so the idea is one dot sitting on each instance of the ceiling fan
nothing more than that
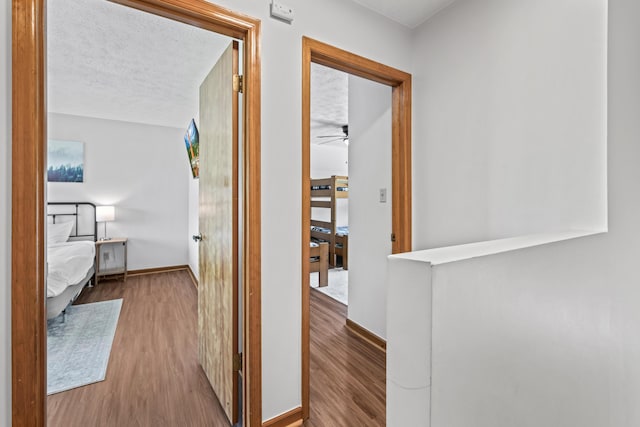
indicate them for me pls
(344, 138)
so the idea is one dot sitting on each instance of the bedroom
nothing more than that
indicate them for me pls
(329, 157)
(350, 213)
(350, 171)
(128, 111)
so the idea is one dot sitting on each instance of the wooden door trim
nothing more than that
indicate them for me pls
(28, 318)
(400, 82)
(288, 419)
(29, 115)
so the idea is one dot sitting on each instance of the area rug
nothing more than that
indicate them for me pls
(338, 288)
(78, 348)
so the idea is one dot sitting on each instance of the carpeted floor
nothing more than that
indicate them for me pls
(78, 348)
(338, 288)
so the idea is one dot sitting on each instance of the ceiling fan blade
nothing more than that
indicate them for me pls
(344, 137)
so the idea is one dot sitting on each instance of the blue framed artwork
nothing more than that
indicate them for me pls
(65, 161)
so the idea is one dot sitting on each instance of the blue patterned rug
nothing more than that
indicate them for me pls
(78, 349)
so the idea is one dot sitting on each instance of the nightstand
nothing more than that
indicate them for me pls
(117, 270)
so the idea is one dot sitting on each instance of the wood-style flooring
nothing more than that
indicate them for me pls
(153, 377)
(347, 381)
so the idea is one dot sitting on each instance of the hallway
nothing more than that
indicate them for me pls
(347, 386)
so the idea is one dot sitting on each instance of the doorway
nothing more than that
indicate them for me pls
(330, 182)
(317, 52)
(28, 197)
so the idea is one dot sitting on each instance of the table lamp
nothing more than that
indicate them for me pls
(105, 214)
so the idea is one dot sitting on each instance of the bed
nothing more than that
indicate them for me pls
(342, 246)
(71, 236)
(324, 194)
(319, 261)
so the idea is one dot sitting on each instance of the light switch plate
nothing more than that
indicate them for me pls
(383, 195)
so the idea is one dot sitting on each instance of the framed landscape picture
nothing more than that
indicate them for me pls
(65, 161)
(191, 140)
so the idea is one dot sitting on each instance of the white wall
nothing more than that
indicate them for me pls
(141, 169)
(326, 161)
(510, 120)
(5, 214)
(546, 335)
(194, 225)
(529, 338)
(370, 226)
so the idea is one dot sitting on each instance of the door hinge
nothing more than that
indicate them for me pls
(237, 362)
(393, 237)
(238, 83)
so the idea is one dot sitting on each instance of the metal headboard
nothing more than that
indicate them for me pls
(73, 209)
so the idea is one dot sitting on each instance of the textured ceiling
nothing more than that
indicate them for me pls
(109, 61)
(410, 13)
(114, 62)
(329, 103)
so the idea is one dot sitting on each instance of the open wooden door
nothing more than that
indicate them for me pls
(218, 287)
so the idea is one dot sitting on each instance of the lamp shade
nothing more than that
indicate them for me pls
(105, 213)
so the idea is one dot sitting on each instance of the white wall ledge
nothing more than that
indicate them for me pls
(448, 254)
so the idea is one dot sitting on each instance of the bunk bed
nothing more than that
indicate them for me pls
(319, 261)
(341, 246)
(324, 194)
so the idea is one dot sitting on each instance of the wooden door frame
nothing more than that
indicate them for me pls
(400, 82)
(29, 118)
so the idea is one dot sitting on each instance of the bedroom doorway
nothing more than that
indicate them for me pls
(317, 53)
(329, 173)
(97, 130)
(28, 200)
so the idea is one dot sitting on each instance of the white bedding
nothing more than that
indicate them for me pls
(68, 263)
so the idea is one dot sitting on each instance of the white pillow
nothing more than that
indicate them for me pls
(58, 233)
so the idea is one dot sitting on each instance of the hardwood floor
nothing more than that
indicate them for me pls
(153, 378)
(347, 387)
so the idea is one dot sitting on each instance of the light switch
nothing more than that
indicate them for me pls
(383, 195)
